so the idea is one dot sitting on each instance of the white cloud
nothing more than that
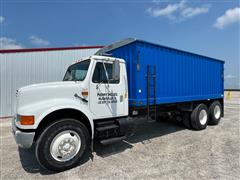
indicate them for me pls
(167, 11)
(1, 19)
(230, 76)
(190, 12)
(8, 43)
(38, 41)
(178, 11)
(231, 16)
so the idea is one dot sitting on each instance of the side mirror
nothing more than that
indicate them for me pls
(116, 70)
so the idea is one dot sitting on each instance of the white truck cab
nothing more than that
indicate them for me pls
(60, 116)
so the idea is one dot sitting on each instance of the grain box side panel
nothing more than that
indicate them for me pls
(180, 76)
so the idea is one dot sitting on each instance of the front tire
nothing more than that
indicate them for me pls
(62, 145)
(199, 117)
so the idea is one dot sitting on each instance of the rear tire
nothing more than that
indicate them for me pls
(62, 145)
(199, 117)
(215, 113)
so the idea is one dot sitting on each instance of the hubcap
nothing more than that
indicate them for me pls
(65, 145)
(203, 117)
(217, 112)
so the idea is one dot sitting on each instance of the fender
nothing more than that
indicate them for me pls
(41, 109)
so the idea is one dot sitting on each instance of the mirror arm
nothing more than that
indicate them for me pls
(99, 84)
(106, 72)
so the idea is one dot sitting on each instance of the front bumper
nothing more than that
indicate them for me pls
(23, 139)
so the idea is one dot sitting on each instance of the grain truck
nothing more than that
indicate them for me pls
(102, 96)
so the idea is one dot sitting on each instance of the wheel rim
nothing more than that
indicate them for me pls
(217, 112)
(65, 145)
(203, 117)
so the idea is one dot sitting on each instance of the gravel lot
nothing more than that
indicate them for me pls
(164, 150)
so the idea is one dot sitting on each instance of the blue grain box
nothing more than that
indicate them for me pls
(180, 76)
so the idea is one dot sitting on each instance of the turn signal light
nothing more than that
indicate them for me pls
(26, 120)
(84, 93)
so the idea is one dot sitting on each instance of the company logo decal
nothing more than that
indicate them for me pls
(106, 98)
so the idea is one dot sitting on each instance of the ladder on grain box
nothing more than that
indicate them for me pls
(151, 93)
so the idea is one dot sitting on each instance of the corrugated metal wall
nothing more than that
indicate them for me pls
(24, 68)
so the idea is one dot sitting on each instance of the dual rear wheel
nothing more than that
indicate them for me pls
(201, 116)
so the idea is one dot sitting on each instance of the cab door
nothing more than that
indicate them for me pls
(106, 95)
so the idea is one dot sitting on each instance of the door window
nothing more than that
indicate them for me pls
(99, 75)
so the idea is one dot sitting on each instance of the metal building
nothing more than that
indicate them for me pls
(29, 66)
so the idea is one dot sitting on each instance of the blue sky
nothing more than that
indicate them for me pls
(209, 28)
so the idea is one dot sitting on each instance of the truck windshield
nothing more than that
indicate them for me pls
(77, 72)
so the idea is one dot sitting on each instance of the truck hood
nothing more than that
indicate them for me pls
(43, 86)
(40, 93)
